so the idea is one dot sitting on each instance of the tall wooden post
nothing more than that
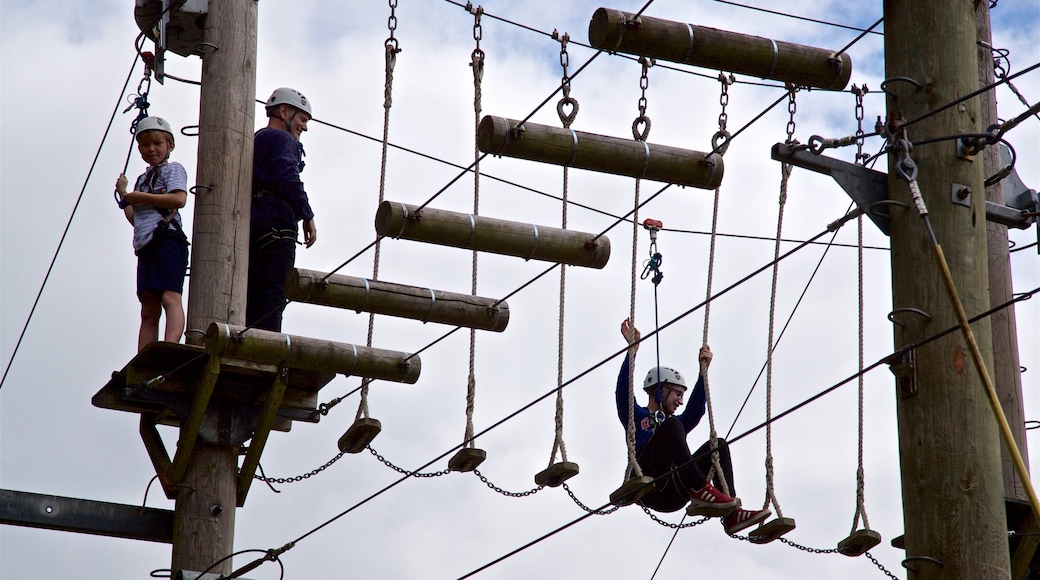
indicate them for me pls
(949, 446)
(204, 521)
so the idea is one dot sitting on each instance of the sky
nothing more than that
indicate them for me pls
(63, 66)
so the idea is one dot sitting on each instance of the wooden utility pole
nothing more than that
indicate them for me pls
(953, 494)
(1007, 376)
(204, 523)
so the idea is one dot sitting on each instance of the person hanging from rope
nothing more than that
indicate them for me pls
(159, 241)
(279, 202)
(661, 445)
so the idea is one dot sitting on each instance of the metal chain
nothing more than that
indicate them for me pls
(565, 84)
(792, 108)
(670, 524)
(720, 141)
(504, 492)
(405, 471)
(808, 549)
(577, 502)
(297, 478)
(880, 567)
(391, 24)
(641, 126)
(859, 92)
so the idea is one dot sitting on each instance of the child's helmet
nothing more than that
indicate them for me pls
(663, 375)
(154, 124)
(291, 97)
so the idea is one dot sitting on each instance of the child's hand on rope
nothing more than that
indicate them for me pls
(631, 334)
(705, 357)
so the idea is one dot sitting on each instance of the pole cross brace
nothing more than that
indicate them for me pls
(868, 188)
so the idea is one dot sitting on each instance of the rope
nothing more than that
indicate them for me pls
(391, 49)
(477, 63)
(566, 119)
(630, 431)
(861, 509)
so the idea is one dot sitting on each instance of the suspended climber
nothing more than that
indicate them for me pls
(279, 202)
(661, 445)
(159, 241)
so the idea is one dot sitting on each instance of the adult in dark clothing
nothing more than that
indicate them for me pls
(661, 446)
(279, 203)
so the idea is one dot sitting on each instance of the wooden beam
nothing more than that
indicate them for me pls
(153, 444)
(417, 303)
(615, 155)
(260, 435)
(100, 518)
(482, 234)
(805, 66)
(191, 425)
(275, 348)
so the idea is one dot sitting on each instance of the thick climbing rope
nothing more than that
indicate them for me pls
(477, 63)
(566, 118)
(861, 508)
(391, 48)
(639, 134)
(785, 175)
(716, 467)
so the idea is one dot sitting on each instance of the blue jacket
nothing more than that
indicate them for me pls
(645, 424)
(279, 199)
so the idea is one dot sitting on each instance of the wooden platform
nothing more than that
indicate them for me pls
(161, 381)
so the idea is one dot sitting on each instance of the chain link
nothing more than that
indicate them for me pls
(859, 92)
(504, 492)
(403, 471)
(641, 126)
(720, 141)
(808, 549)
(577, 502)
(478, 29)
(671, 525)
(566, 117)
(792, 108)
(880, 567)
(297, 478)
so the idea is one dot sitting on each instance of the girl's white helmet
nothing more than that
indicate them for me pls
(663, 375)
(154, 124)
(291, 97)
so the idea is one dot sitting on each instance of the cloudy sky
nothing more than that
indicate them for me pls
(64, 64)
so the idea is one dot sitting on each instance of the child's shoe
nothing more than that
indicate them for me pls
(743, 519)
(709, 501)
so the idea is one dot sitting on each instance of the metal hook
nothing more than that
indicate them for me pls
(884, 84)
(891, 315)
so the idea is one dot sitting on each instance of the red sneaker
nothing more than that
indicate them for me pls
(709, 501)
(743, 519)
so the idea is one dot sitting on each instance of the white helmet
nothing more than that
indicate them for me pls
(154, 124)
(291, 97)
(663, 375)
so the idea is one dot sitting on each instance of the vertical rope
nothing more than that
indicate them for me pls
(630, 433)
(566, 119)
(477, 63)
(861, 508)
(391, 49)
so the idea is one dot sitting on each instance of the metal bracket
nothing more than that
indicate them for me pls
(960, 194)
(865, 186)
(902, 366)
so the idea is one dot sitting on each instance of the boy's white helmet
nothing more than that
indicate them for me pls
(291, 97)
(154, 124)
(663, 375)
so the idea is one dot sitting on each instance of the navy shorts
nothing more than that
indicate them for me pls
(161, 264)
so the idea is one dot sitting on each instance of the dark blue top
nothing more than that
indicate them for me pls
(279, 199)
(645, 424)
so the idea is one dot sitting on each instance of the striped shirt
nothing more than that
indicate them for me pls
(162, 178)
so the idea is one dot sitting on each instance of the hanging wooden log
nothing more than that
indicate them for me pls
(359, 435)
(461, 230)
(771, 530)
(859, 542)
(805, 66)
(275, 348)
(425, 304)
(570, 148)
(632, 490)
(556, 474)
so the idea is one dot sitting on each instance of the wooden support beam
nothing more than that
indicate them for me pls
(157, 453)
(615, 155)
(275, 348)
(260, 435)
(805, 66)
(482, 234)
(190, 427)
(425, 304)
